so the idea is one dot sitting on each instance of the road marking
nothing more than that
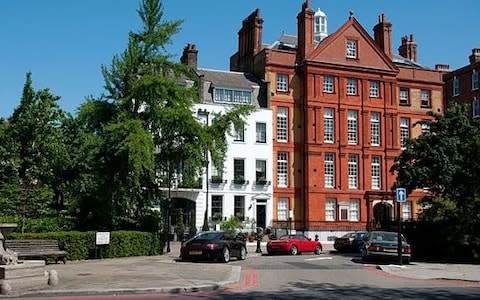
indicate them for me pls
(319, 258)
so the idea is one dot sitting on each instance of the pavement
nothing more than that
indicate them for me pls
(164, 274)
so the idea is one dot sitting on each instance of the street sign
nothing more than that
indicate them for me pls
(401, 194)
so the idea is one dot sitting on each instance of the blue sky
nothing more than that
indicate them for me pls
(64, 43)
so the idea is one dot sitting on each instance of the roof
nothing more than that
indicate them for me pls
(403, 61)
(230, 79)
(285, 41)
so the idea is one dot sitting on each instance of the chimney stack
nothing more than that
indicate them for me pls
(442, 67)
(408, 49)
(475, 57)
(382, 33)
(305, 31)
(189, 56)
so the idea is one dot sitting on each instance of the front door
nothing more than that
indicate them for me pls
(261, 215)
(382, 212)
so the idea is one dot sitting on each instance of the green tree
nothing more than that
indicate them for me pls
(444, 161)
(32, 154)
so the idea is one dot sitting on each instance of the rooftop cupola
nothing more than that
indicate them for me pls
(320, 25)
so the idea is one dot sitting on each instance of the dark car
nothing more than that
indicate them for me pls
(350, 242)
(383, 245)
(293, 244)
(214, 245)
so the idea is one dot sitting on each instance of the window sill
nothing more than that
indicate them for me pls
(404, 104)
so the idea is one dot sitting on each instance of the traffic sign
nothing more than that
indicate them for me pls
(401, 194)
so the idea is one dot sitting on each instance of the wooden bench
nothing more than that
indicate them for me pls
(37, 249)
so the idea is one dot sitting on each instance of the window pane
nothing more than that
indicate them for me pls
(329, 170)
(404, 132)
(282, 121)
(239, 135)
(351, 86)
(282, 82)
(404, 96)
(353, 171)
(425, 98)
(351, 49)
(261, 133)
(328, 84)
(282, 210)
(239, 169)
(328, 125)
(330, 205)
(282, 169)
(375, 129)
(374, 89)
(376, 172)
(406, 210)
(352, 127)
(261, 170)
(217, 207)
(355, 210)
(239, 207)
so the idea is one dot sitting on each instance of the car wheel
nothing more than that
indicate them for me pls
(318, 250)
(226, 255)
(243, 253)
(270, 252)
(294, 250)
(406, 261)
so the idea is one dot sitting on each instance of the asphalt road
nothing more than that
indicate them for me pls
(326, 276)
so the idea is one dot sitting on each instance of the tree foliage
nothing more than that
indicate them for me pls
(445, 163)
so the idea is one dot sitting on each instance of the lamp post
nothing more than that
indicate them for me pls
(205, 112)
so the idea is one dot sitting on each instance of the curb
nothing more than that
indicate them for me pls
(233, 278)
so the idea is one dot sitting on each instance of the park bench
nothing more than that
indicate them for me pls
(37, 249)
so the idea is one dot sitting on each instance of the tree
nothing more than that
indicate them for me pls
(146, 95)
(444, 161)
(32, 154)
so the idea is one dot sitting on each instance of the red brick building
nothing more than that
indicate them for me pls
(462, 85)
(342, 105)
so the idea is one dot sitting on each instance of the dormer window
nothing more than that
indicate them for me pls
(231, 96)
(351, 49)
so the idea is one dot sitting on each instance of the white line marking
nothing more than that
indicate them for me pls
(319, 258)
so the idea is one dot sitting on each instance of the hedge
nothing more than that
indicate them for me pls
(81, 245)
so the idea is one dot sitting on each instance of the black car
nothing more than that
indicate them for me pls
(350, 242)
(383, 245)
(214, 245)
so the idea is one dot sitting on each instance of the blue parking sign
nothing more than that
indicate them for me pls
(401, 194)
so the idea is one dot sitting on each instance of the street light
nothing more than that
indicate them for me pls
(205, 112)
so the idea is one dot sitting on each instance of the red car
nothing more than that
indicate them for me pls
(294, 244)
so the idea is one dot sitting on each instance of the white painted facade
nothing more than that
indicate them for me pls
(257, 197)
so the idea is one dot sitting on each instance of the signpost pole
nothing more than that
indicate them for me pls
(399, 237)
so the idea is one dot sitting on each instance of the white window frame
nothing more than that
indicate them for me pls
(376, 172)
(260, 168)
(353, 171)
(351, 49)
(329, 170)
(476, 108)
(239, 133)
(261, 132)
(328, 125)
(351, 86)
(425, 129)
(475, 84)
(352, 127)
(330, 208)
(406, 210)
(328, 84)
(456, 86)
(426, 98)
(282, 82)
(354, 212)
(375, 129)
(374, 89)
(282, 209)
(227, 95)
(404, 96)
(282, 124)
(404, 132)
(282, 169)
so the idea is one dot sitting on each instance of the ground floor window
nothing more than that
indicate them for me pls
(239, 207)
(217, 207)
(282, 211)
(330, 209)
(349, 210)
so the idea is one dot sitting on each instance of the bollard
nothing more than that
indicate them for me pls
(316, 238)
(259, 250)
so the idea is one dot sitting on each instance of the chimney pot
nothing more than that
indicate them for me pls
(475, 57)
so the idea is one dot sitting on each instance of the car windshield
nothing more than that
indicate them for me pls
(386, 236)
(209, 236)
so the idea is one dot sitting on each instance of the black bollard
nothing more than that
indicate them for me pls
(259, 250)
(316, 238)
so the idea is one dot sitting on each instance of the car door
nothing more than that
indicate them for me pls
(232, 244)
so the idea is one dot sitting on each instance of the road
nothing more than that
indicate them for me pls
(326, 276)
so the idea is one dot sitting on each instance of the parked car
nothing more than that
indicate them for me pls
(383, 245)
(293, 244)
(214, 245)
(350, 242)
